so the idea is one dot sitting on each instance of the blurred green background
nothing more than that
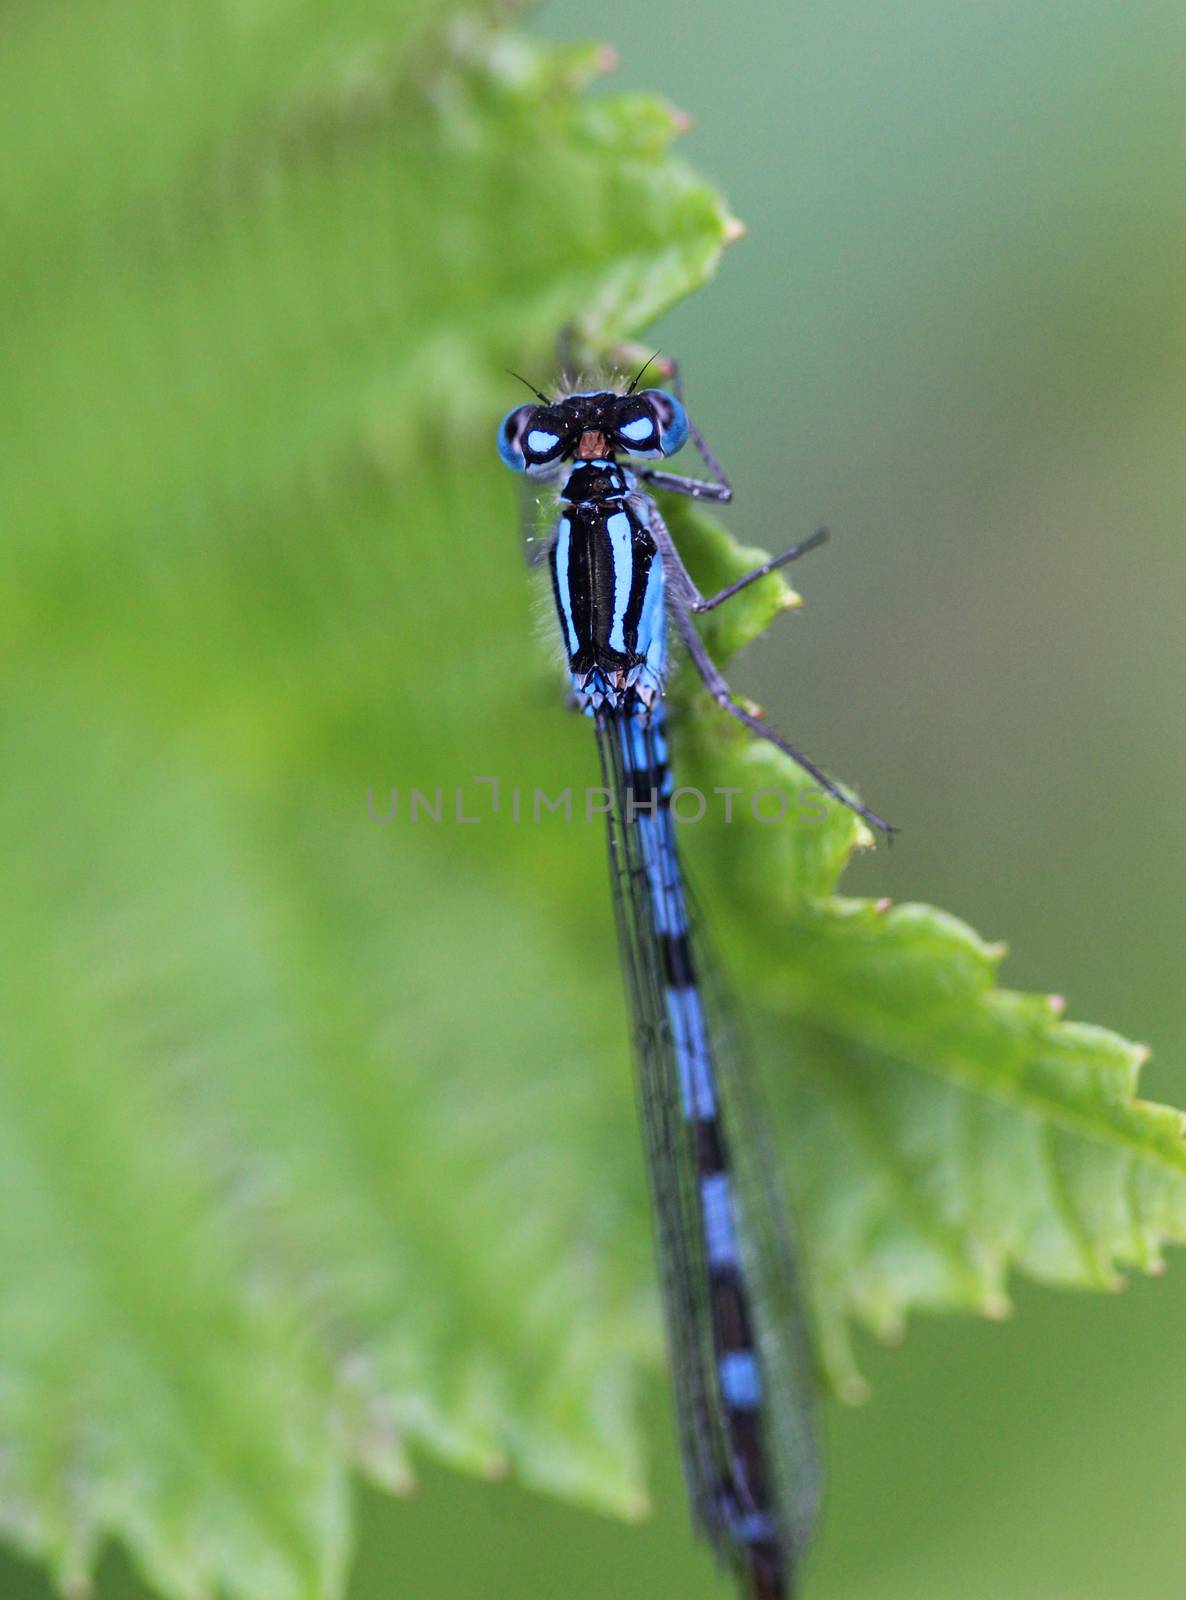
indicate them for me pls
(955, 334)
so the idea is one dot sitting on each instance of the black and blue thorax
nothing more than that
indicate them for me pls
(607, 580)
(607, 568)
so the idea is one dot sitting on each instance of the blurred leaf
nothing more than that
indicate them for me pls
(283, 255)
(317, 1132)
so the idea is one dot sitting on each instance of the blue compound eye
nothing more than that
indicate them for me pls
(510, 436)
(650, 424)
(671, 417)
(531, 437)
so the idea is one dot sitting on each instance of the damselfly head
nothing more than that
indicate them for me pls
(534, 438)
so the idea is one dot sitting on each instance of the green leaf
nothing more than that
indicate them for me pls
(317, 1138)
(938, 1130)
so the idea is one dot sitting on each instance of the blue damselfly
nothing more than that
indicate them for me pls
(741, 1360)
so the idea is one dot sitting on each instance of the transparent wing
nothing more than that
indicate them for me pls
(650, 897)
(672, 1171)
(538, 509)
(767, 1238)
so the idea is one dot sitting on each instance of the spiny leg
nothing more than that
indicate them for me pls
(682, 582)
(694, 488)
(723, 695)
(697, 438)
(721, 490)
(767, 567)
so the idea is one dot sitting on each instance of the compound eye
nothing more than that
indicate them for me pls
(511, 436)
(533, 437)
(652, 423)
(671, 418)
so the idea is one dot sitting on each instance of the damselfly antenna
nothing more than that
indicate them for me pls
(634, 382)
(532, 387)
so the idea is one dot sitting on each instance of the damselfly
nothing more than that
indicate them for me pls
(741, 1361)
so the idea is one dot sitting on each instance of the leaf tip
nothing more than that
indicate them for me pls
(390, 1474)
(606, 59)
(997, 1307)
(1057, 1004)
(636, 1507)
(496, 1468)
(890, 1325)
(734, 229)
(682, 121)
(853, 1390)
(883, 905)
(404, 1486)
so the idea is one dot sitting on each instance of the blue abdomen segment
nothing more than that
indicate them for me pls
(720, 1233)
(644, 749)
(740, 1383)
